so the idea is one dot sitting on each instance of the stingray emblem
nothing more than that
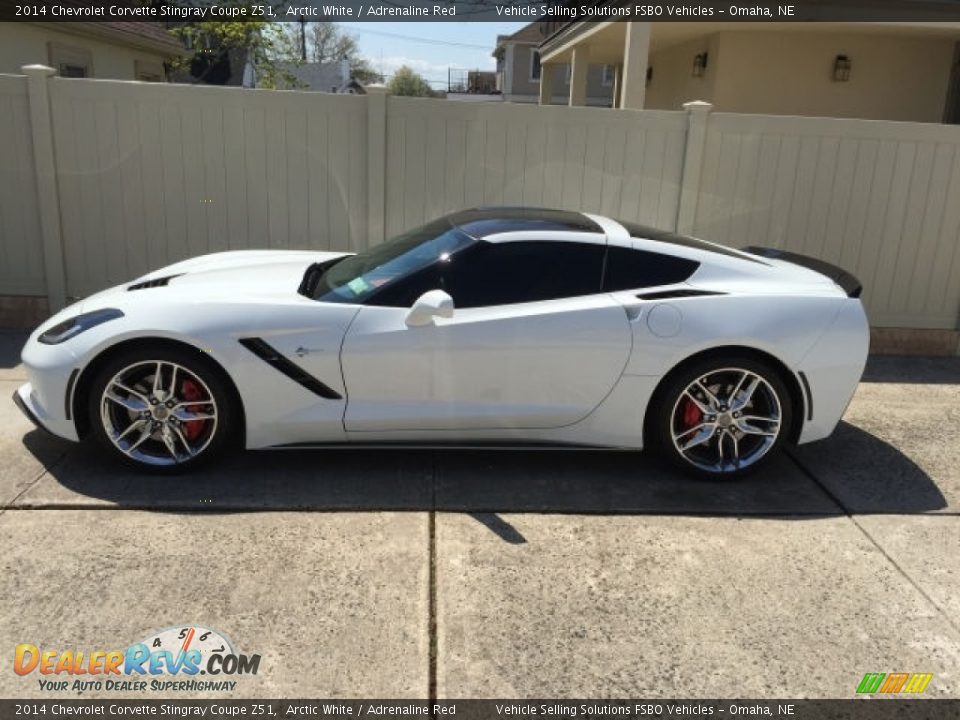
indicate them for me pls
(301, 351)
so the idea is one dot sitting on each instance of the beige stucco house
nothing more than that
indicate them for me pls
(111, 50)
(880, 71)
(519, 69)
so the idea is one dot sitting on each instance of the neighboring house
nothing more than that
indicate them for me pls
(519, 72)
(332, 77)
(472, 86)
(481, 82)
(878, 71)
(112, 50)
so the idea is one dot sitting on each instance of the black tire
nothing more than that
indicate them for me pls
(718, 437)
(209, 396)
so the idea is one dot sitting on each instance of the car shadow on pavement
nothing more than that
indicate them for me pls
(485, 482)
(912, 369)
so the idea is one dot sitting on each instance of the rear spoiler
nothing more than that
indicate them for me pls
(851, 286)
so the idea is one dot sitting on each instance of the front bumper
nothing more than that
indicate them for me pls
(44, 398)
(18, 400)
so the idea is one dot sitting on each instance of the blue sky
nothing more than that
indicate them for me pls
(430, 47)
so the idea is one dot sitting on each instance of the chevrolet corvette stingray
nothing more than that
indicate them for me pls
(488, 327)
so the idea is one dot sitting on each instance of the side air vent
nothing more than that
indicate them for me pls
(156, 282)
(272, 356)
(671, 294)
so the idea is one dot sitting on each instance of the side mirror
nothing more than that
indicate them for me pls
(434, 303)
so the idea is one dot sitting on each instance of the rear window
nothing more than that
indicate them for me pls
(645, 232)
(628, 269)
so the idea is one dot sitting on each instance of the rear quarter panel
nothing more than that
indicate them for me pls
(824, 336)
(785, 326)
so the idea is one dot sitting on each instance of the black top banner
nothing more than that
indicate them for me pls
(477, 11)
(864, 709)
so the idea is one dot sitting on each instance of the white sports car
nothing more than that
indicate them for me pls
(488, 327)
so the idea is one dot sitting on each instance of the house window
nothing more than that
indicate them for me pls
(70, 61)
(534, 66)
(567, 74)
(607, 77)
(148, 71)
(72, 71)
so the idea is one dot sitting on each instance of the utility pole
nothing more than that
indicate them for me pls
(303, 38)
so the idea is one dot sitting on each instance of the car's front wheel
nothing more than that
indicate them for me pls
(722, 417)
(162, 408)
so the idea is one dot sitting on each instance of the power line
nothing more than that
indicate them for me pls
(429, 41)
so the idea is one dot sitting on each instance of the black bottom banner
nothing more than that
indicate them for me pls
(853, 709)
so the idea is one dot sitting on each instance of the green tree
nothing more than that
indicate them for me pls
(211, 42)
(406, 82)
(326, 42)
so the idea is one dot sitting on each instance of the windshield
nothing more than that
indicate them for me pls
(357, 278)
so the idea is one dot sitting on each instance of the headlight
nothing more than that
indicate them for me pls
(76, 325)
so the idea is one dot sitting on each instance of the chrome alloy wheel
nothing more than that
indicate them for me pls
(158, 412)
(726, 420)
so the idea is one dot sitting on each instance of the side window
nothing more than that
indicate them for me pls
(518, 272)
(628, 269)
(404, 293)
(486, 274)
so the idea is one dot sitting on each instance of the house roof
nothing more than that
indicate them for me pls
(529, 33)
(150, 36)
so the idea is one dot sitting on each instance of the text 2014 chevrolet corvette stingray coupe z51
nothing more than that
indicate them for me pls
(490, 327)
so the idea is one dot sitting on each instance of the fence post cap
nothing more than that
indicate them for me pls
(700, 106)
(376, 89)
(38, 70)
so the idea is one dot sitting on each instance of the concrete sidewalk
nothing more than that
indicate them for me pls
(521, 574)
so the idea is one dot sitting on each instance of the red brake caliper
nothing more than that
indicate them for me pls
(691, 414)
(191, 392)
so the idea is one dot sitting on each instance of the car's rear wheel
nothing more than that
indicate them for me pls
(162, 409)
(722, 417)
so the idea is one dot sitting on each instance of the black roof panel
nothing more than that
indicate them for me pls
(482, 222)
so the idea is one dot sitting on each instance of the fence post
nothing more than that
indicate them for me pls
(48, 196)
(376, 162)
(698, 114)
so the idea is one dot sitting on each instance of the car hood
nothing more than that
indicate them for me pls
(243, 273)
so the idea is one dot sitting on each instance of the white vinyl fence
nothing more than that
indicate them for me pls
(881, 199)
(21, 255)
(125, 177)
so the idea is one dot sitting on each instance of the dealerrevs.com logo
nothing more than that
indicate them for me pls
(169, 660)
(894, 683)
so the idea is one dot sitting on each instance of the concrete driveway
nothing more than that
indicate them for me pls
(517, 574)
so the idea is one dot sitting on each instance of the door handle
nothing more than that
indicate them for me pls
(633, 310)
